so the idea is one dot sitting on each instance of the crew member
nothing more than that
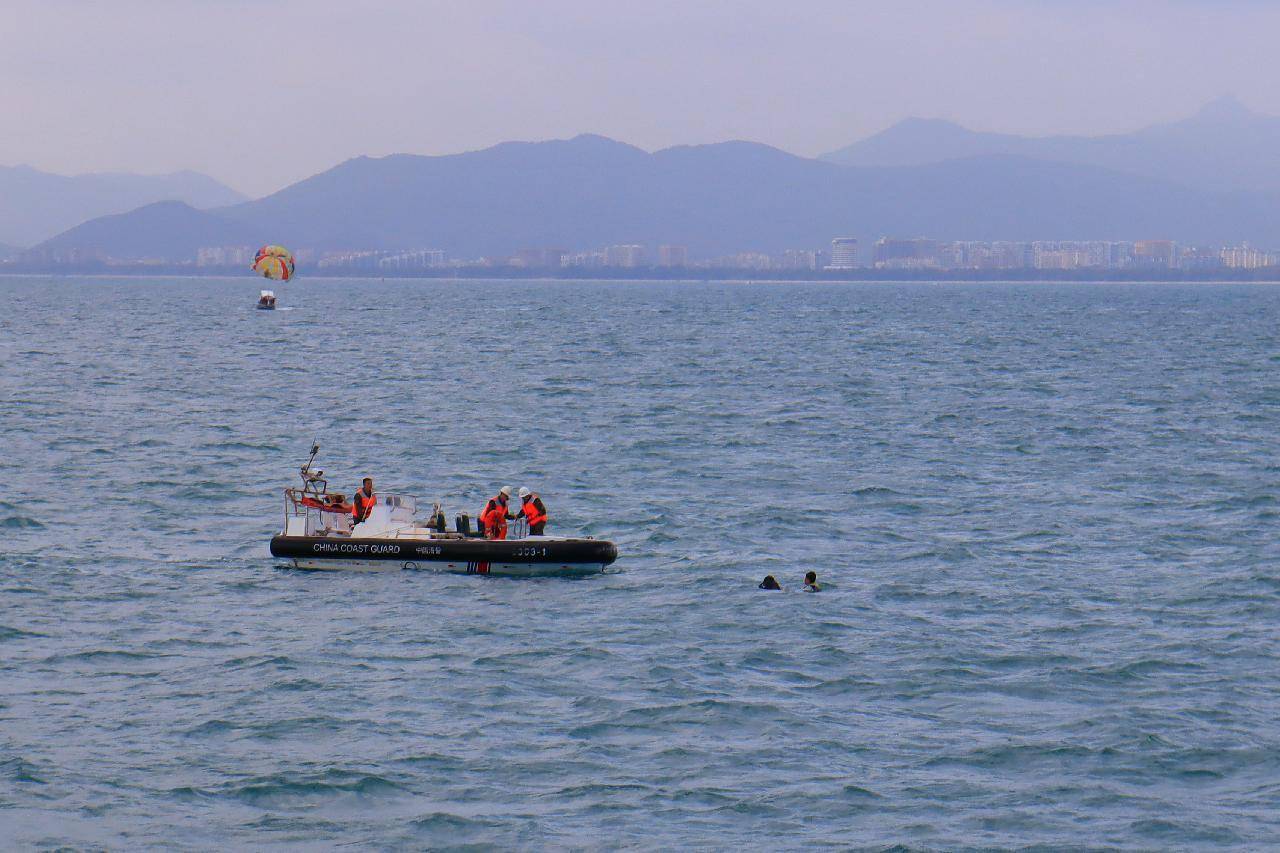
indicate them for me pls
(364, 502)
(495, 515)
(534, 511)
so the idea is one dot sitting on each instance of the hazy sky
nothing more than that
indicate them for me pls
(259, 93)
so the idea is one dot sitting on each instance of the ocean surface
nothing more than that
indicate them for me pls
(1045, 517)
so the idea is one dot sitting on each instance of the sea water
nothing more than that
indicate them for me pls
(1044, 517)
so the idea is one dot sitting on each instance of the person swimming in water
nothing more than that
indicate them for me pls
(769, 582)
(811, 582)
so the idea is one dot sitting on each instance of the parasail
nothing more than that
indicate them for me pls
(274, 262)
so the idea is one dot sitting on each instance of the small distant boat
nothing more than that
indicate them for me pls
(319, 534)
(267, 301)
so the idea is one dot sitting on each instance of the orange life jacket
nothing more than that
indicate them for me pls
(361, 506)
(494, 519)
(531, 512)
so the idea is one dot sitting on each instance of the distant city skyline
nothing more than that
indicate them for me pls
(890, 254)
(260, 95)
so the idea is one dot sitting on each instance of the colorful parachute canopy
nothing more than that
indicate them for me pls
(274, 262)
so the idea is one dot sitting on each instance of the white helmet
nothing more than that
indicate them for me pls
(505, 490)
(524, 492)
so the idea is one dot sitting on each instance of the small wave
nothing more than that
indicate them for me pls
(241, 445)
(598, 790)
(20, 522)
(282, 791)
(10, 633)
(275, 729)
(297, 684)
(17, 769)
(1200, 774)
(211, 727)
(1076, 431)
(1179, 834)
(876, 491)
(271, 790)
(724, 711)
(856, 792)
(1142, 669)
(755, 807)
(450, 824)
(255, 661)
(435, 762)
(1019, 756)
(705, 797)
(104, 655)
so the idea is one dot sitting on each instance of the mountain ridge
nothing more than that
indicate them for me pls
(1224, 146)
(716, 199)
(36, 205)
(164, 229)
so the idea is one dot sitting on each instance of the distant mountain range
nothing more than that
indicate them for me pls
(35, 205)
(165, 230)
(1224, 147)
(716, 199)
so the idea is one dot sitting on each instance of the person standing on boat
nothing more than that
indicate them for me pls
(495, 515)
(532, 510)
(364, 502)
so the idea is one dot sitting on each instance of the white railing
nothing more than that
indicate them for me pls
(313, 520)
(393, 513)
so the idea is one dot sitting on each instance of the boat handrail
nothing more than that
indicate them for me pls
(516, 529)
(391, 499)
(295, 506)
(332, 519)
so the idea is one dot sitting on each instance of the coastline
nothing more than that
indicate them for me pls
(1264, 275)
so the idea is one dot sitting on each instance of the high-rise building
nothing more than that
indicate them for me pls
(1200, 258)
(1155, 253)
(1245, 257)
(747, 261)
(414, 259)
(1119, 255)
(844, 254)
(950, 255)
(799, 259)
(1070, 254)
(363, 259)
(673, 256)
(916, 253)
(628, 256)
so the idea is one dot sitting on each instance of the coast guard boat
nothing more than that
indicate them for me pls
(319, 534)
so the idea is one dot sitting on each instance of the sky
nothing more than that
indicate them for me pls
(261, 93)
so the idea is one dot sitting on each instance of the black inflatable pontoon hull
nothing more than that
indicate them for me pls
(533, 556)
